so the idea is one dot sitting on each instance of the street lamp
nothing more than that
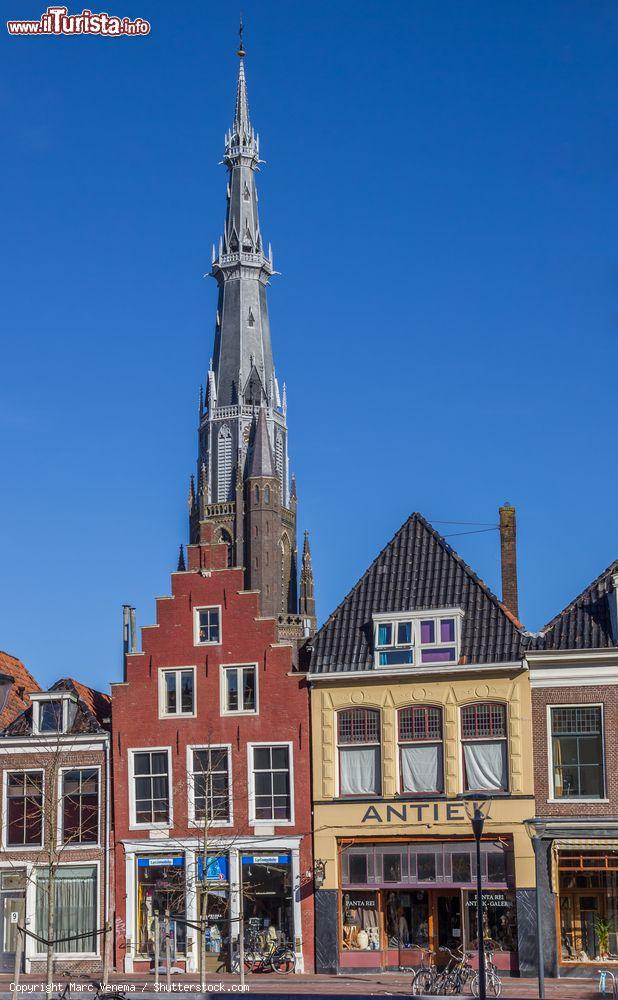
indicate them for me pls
(535, 829)
(478, 812)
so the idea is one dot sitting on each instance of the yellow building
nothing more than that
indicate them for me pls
(420, 703)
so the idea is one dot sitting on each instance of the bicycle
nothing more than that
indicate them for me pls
(450, 980)
(98, 993)
(423, 977)
(493, 983)
(279, 958)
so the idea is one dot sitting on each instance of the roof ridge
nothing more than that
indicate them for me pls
(470, 572)
(613, 566)
(417, 516)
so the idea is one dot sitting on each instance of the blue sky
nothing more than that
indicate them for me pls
(440, 193)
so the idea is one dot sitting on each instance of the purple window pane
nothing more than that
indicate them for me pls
(428, 632)
(447, 630)
(438, 655)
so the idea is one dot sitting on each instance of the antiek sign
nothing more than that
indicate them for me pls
(425, 813)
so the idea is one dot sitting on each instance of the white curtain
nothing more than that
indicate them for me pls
(486, 765)
(75, 898)
(421, 768)
(359, 771)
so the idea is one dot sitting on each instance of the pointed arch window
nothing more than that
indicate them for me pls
(279, 459)
(267, 494)
(251, 317)
(224, 464)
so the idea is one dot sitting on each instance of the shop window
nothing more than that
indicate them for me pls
(74, 892)
(210, 785)
(240, 689)
(357, 869)
(496, 866)
(391, 864)
(208, 625)
(177, 691)
(420, 750)
(461, 869)
(151, 798)
(358, 732)
(360, 921)
(267, 897)
(80, 806)
(271, 783)
(407, 919)
(426, 867)
(24, 808)
(483, 733)
(587, 905)
(499, 920)
(577, 752)
(161, 888)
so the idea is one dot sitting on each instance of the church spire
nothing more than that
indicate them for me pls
(307, 589)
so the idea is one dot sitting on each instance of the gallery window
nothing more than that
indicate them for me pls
(271, 783)
(420, 749)
(151, 799)
(80, 806)
(24, 808)
(177, 691)
(358, 737)
(208, 622)
(577, 752)
(75, 903)
(484, 738)
(210, 783)
(239, 689)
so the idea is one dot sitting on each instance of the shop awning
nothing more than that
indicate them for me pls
(580, 844)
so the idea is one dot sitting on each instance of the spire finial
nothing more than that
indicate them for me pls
(241, 51)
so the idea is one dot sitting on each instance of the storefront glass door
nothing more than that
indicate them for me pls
(448, 920)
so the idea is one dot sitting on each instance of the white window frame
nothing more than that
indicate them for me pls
(421, 742)
(133, 824)
(163, 713)
(198, 823)
(59, 830)
(550, 754)
(257, 823)
(223, 689)
(415, 617)
(64, 697)
(74, 956)
(5, 809)
(350, 746)
(196, 625)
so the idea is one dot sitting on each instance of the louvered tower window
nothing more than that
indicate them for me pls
(224, 464)
(279, 461)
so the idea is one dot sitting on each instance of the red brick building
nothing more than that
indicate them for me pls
(574, 680)
(55, 821)
(211, 774)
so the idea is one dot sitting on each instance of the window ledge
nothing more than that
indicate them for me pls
(573, 798)
(257, 823)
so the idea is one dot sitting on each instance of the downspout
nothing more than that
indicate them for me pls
(108, 782)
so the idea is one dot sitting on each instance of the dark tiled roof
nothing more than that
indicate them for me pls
(93, 708)
(585, 623)
(416, 570)
(22, 686)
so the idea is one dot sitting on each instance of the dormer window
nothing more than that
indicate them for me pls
(417, 638)
(52, 713)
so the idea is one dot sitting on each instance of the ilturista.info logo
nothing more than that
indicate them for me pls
(58, 21)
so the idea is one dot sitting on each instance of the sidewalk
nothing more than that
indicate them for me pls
(383, 984)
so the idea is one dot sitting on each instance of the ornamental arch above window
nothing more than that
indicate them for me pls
(484, 742)
(421, 756)
(358, 740)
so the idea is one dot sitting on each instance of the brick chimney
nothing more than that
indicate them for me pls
(508, 557)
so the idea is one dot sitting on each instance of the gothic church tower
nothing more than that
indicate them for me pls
(243, 482)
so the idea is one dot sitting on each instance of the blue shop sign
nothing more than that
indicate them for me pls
(160, 862)
(266, 859)
(217, 869)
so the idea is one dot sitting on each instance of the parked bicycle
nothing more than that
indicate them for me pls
(451, 979)
(98, 993)
(265, 956)
(493, 983)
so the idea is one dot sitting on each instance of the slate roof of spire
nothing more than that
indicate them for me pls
(261, 462)
(585, 623)
(418, 569)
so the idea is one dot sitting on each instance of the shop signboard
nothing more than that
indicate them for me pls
(217, 869)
